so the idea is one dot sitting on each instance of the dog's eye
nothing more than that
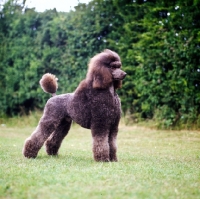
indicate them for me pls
(111, 67)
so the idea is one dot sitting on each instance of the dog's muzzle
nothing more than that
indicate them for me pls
(118, 74)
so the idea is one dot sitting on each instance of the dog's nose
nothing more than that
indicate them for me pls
(124, 75)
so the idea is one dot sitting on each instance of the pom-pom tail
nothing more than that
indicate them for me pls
(49, 83)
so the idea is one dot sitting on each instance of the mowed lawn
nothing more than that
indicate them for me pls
(152, 164)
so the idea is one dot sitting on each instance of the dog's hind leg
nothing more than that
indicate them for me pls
(47, 125)
(55, 139)
(36, 140)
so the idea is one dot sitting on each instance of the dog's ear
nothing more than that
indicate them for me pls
(102, 78)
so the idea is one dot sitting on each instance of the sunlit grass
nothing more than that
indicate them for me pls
(152, 164)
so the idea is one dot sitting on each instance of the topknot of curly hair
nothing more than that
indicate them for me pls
(49, 83)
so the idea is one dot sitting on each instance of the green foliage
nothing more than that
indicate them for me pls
(161, 44)
(157, 40)
(170, 63)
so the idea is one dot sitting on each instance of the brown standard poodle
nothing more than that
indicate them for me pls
(94, 105)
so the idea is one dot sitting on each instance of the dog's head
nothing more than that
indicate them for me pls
(105, 69)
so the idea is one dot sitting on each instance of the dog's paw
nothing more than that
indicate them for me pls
(30, 150)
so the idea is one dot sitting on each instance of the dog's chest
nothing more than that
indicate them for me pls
(101, 106)
(106, 104)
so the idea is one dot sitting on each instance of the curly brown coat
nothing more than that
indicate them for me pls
(94, 105)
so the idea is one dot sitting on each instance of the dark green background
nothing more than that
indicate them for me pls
(158, 41)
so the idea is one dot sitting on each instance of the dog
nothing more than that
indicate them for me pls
(94, 105)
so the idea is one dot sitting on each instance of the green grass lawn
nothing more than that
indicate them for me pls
(152, 164)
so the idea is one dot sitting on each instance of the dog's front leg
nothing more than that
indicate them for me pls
(100, 145)
(113, 145)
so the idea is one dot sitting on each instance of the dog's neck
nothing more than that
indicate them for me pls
(112, 89)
